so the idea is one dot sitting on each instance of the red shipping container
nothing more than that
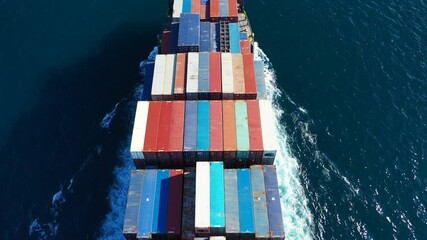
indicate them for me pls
(255, 132)
(204, 12)
(180, 73)
(216, 136)
(229, 132)
(173, 226)
(164, 48)
(215, 84)
(214, 10)
(151, 134)
(163, 134)
(195, 6)
(176, 139)
(232, 10)
(245, 46)
(249, 73)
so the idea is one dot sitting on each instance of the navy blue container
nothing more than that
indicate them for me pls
(190, 133)
(173, 44)
(148, 81)
(160, 216)
(194, 33)
(203, 84)
(203, 127)
(273, 203)
(147, 204)
(247, 229)
(183, 37)
(130, 226)
(205, 37)
(214, 39)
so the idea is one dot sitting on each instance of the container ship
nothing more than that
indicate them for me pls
(203, 140)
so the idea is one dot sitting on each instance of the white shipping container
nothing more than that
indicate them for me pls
(192, 75)
(227, 76)
(217, 238)
(202, 218)
(168, 83)
(139, 128)
(269, 136)
(158, 77)
(177, 8)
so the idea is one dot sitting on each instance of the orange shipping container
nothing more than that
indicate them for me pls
(249, 74)
(214, 10)
(180, 73)
(238, 76)
(229, 132)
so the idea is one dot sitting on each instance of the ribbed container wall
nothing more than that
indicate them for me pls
(189, 204)
(255, 133)
(205, 42)
(269, 137)
(242, 133)
(177, 9)
(214, 12)
(168, 83)
(151, 134)
(217, 205)
(130, 226)
(232, 226)
(216, 131)
(161, 204)
(259, 203)
(249, 76)
(223, 9)
(162, 148)
(273, 203)
(203, 85)
(202, 218)
(180, 74)
(164, 47)
(147, 201)
(173, 226)
(192, 76)
(148, 81)
(138, 134)
(215, 82)
(227, 76)
(190, 133)
(245, 203)
(176, 137)
(232, 11)
(173, 45)
(234, 37)
(260, 81)
(229, 132)
(159, 77)
(238, 77)
(203, 125)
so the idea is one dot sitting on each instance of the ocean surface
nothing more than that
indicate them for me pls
(348, 80)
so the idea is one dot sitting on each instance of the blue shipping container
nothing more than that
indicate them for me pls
(245, 203)
(148, 81)
(203, 84)
(173, 44)
(273, 203)
(130, 226)
(161, 203)
(223, 9)
(184, 22)
(260, 81)
(203, 126)
(243, 36)
(214, 39)
(194, 32)
(217, 206)
(147, 204)
(232, 216)
(259, 202)
(205, 42)
(234, 38)
(242, 130)
(186, 6)
(190, 133)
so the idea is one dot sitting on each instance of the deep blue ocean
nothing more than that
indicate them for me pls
(349, 79)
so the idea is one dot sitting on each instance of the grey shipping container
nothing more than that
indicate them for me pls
(190, 133)
(130, 226)
(203, 76)
(273, 203)
(188, 204)
(232, 224)
(260, 80)
(259, 203)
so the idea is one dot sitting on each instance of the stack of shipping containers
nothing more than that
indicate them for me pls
(205, 142)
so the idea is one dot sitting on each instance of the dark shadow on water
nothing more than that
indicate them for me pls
(49, 144)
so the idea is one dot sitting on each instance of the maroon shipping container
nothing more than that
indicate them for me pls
(214, 10)
(216, 147)
(249, 75)
(232, 10)
(215, 83)
(245, 46)
(173, 226)
(150, 142)
(163, 134)
(255, 132)
(164, 48)
(176, 140)
(180, 74)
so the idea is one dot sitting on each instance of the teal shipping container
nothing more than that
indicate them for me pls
(203, 127)
(232, 226)
(259, 202)
(242, 133)
(147, 205)
(217, 215)
(234, 37)
(186, 6)
(130, 226)
(161, 203)
(247, 230)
